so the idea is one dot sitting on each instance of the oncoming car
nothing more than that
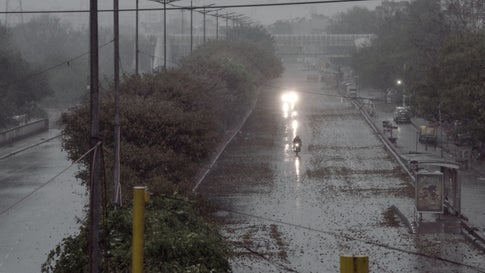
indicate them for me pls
(402, 115)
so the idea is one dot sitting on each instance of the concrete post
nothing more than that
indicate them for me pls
(354, 264)
(139, 197)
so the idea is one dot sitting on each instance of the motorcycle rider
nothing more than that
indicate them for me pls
(297, 139)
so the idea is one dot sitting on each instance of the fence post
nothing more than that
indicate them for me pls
(138, 229)
(354, 264)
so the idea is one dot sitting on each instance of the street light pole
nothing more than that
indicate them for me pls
(165, 2)
(191, 26)
(182, 22)
(136, 38)
(217, 25)
(441, 129)
(94, 187)
(164, 34)
(116, 172)
(399, 82)
(227, 22)
(203, 12)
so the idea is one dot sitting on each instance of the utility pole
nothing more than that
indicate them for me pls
(165, 2)
(204, 12)
(182, 23)
(136, 38)
(164, 34)
(19, 8)
(6, 14)
(94, 194)
(217, 25)
(227, 21)
(191, 26)
(116, 175)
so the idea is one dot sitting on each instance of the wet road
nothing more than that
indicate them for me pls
(287, 213)
(36, 211)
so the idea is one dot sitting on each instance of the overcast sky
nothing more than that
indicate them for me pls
(263, 15)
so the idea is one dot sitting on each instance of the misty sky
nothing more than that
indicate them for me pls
(266, 15)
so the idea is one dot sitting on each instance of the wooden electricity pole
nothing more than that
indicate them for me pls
(116, 175)
(94, 194)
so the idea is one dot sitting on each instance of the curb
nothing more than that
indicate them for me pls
(467, 231)
(386, 142)
(404, 219)
(27, 147)
(222, 147)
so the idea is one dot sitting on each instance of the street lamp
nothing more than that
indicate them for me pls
(399, 82)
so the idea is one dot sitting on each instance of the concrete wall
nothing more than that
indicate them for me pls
(23, 131)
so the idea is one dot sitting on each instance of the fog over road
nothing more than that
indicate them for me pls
(287, 213)
(36, 213)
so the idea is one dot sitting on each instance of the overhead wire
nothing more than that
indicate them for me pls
(350, 238)
(190, 7)
(174, 7)
(234, 212)
(67, 62)
(49, 181)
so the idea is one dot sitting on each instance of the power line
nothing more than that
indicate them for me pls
(63, 63)
(49, 181)
(189, 8)
(350, 238)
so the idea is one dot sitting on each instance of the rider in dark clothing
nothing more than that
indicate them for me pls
(297, 139)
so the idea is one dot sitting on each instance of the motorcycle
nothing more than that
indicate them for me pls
(297, 148)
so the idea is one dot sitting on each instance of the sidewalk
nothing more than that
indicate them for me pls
(13, 148)
(472, 177)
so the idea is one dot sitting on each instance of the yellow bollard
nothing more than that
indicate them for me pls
(354, 264)
(138, 229)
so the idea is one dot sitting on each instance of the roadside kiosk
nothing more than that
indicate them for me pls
(437, 193)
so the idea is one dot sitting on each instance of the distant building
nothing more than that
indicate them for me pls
(390, 9)
(470, 13)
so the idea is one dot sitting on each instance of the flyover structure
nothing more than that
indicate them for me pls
(316, 46)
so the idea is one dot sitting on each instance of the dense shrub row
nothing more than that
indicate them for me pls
(171, 121)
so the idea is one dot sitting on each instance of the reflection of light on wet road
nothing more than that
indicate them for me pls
(294, 126)
(298, 182)
(286, 109)
(289, 100)
(297, 169)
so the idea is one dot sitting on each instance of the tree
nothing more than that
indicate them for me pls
(177, 240)
(20, 87)
(405, 47)
(281, 27)
(438, 55)
(460, 75)
(465, 15)
(171, 121)
(60, 51)
(354, 21)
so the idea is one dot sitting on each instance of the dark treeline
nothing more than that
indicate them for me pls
(47, 41)
(20, 89)
(44, 62)
(436, 48)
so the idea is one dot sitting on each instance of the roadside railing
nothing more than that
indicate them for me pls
(24, 130)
